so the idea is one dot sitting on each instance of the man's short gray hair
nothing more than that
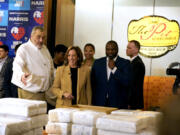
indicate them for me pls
(37, 28)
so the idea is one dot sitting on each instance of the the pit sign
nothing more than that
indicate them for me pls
(157, 35)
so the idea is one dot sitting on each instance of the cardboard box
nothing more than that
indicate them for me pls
(106, 110)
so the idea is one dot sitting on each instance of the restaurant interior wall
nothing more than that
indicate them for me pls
(100, 21)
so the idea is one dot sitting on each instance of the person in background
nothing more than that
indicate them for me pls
(110, 78)
(59, 53)
(136, 100)
(16, 48)
(89, 51)
(33, 69)
(15, 88)
(72, 81)
(7, 89)
(170, 121)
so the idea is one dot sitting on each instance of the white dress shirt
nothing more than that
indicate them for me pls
(109, 71)
(131, 59)
(38, 63)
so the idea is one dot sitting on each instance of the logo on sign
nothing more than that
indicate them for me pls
(38, 17)
(157, 35)
(1, 43)
(39, 3)
(18, 33)
(19, 3)
(1, 15)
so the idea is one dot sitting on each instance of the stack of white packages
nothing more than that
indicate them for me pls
(122, 125)
(153, 122)
(60, 121)
(105, 132)
(84, 122)
(155, 118)
(129, 122)
(22, 117)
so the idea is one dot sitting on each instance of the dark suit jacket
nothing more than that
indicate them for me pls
(7, 89)
(116, 87)
(136, 92)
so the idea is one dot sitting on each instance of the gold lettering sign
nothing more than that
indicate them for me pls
(156, 34)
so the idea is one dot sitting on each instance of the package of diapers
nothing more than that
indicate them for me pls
(23, 107)
(143, 132)
(83, 130)
(38, 121)
(14, 126)
(125, 112)
(155, 117)
(58, 128)
(36, 131)
(86, 117)
(120, 123)
(61, 115)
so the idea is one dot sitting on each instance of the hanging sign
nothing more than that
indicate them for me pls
(17, 18)
(157, 35)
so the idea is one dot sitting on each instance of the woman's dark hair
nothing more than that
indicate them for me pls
(91, 45)
(79, 55)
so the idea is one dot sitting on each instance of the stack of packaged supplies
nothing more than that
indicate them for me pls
(84, 122)
(75, 120)
(60, 121)
(128, 122)
(22, 116)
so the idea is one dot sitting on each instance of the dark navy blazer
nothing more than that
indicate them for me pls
(136, 100)
(7, 89)
(116, 87)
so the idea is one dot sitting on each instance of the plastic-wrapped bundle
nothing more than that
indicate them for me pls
(83, 130)
(105, 132)
(61, 115)
(144, 132)
(38, 121)
(31, 132)
(23, 107)
(130, 124)
(148, 132)
(35, 121)
(125, 112)
(58, 128)
(36, 131)
(11, 123)
(57, 134)
(14, 126)
(155, 117)
(87, 117)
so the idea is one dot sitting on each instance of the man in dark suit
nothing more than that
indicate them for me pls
(138, 71)
(7, 89)
(110, 79)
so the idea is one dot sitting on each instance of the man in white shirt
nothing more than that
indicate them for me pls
(33, 67)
